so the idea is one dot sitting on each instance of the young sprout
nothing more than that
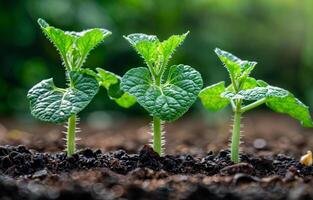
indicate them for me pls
(58, 105)
(165, 92)
(245, 93)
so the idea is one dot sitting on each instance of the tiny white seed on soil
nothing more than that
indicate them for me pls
(307, 159)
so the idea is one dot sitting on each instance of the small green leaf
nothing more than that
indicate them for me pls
(126, 100)
(249, 83)
(88, 40)
(235, 66)
(74, 47)
(211, 97)
(145, 45)
(170, 100)
(155, 53)
(62, 41)
(51, 104)
(168, 46)
(291, 106)
(232, 63)
(111, 82)
(107, 78)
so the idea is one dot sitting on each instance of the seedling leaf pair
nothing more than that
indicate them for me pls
(57, 105)
(245, 89)
(165, 92)
(156, 54)
(74, 47)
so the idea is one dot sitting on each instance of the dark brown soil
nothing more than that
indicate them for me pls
(194, 166)
(120, 175)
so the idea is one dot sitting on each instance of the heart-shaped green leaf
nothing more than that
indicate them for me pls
(51, 104)
(211, 97)
(172, 98)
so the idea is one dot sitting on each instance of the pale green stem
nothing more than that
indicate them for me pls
(233, 105)
(71, 129)
(253, 105)
(157, 127)
(157, 135)
(235, 140)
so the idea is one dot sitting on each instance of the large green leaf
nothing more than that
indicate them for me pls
(155, 53)
(277, 99)
(262, 92)
(257, 93)
(172, 98)
(51, 104)
(291, 106)
(74, 47)
(111, 82)
(211, 97)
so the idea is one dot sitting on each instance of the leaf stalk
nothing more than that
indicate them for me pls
(253, 105)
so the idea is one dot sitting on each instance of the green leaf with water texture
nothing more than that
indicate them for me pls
(52, 104)
(172, 98)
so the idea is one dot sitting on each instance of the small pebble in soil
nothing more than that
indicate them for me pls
(259, 143)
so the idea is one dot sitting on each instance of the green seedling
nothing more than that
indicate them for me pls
(245, 93)
(58, 105)
(165, 92)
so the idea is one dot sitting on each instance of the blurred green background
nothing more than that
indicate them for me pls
(277, 34)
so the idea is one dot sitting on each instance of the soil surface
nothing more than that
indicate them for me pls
(115, 163)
